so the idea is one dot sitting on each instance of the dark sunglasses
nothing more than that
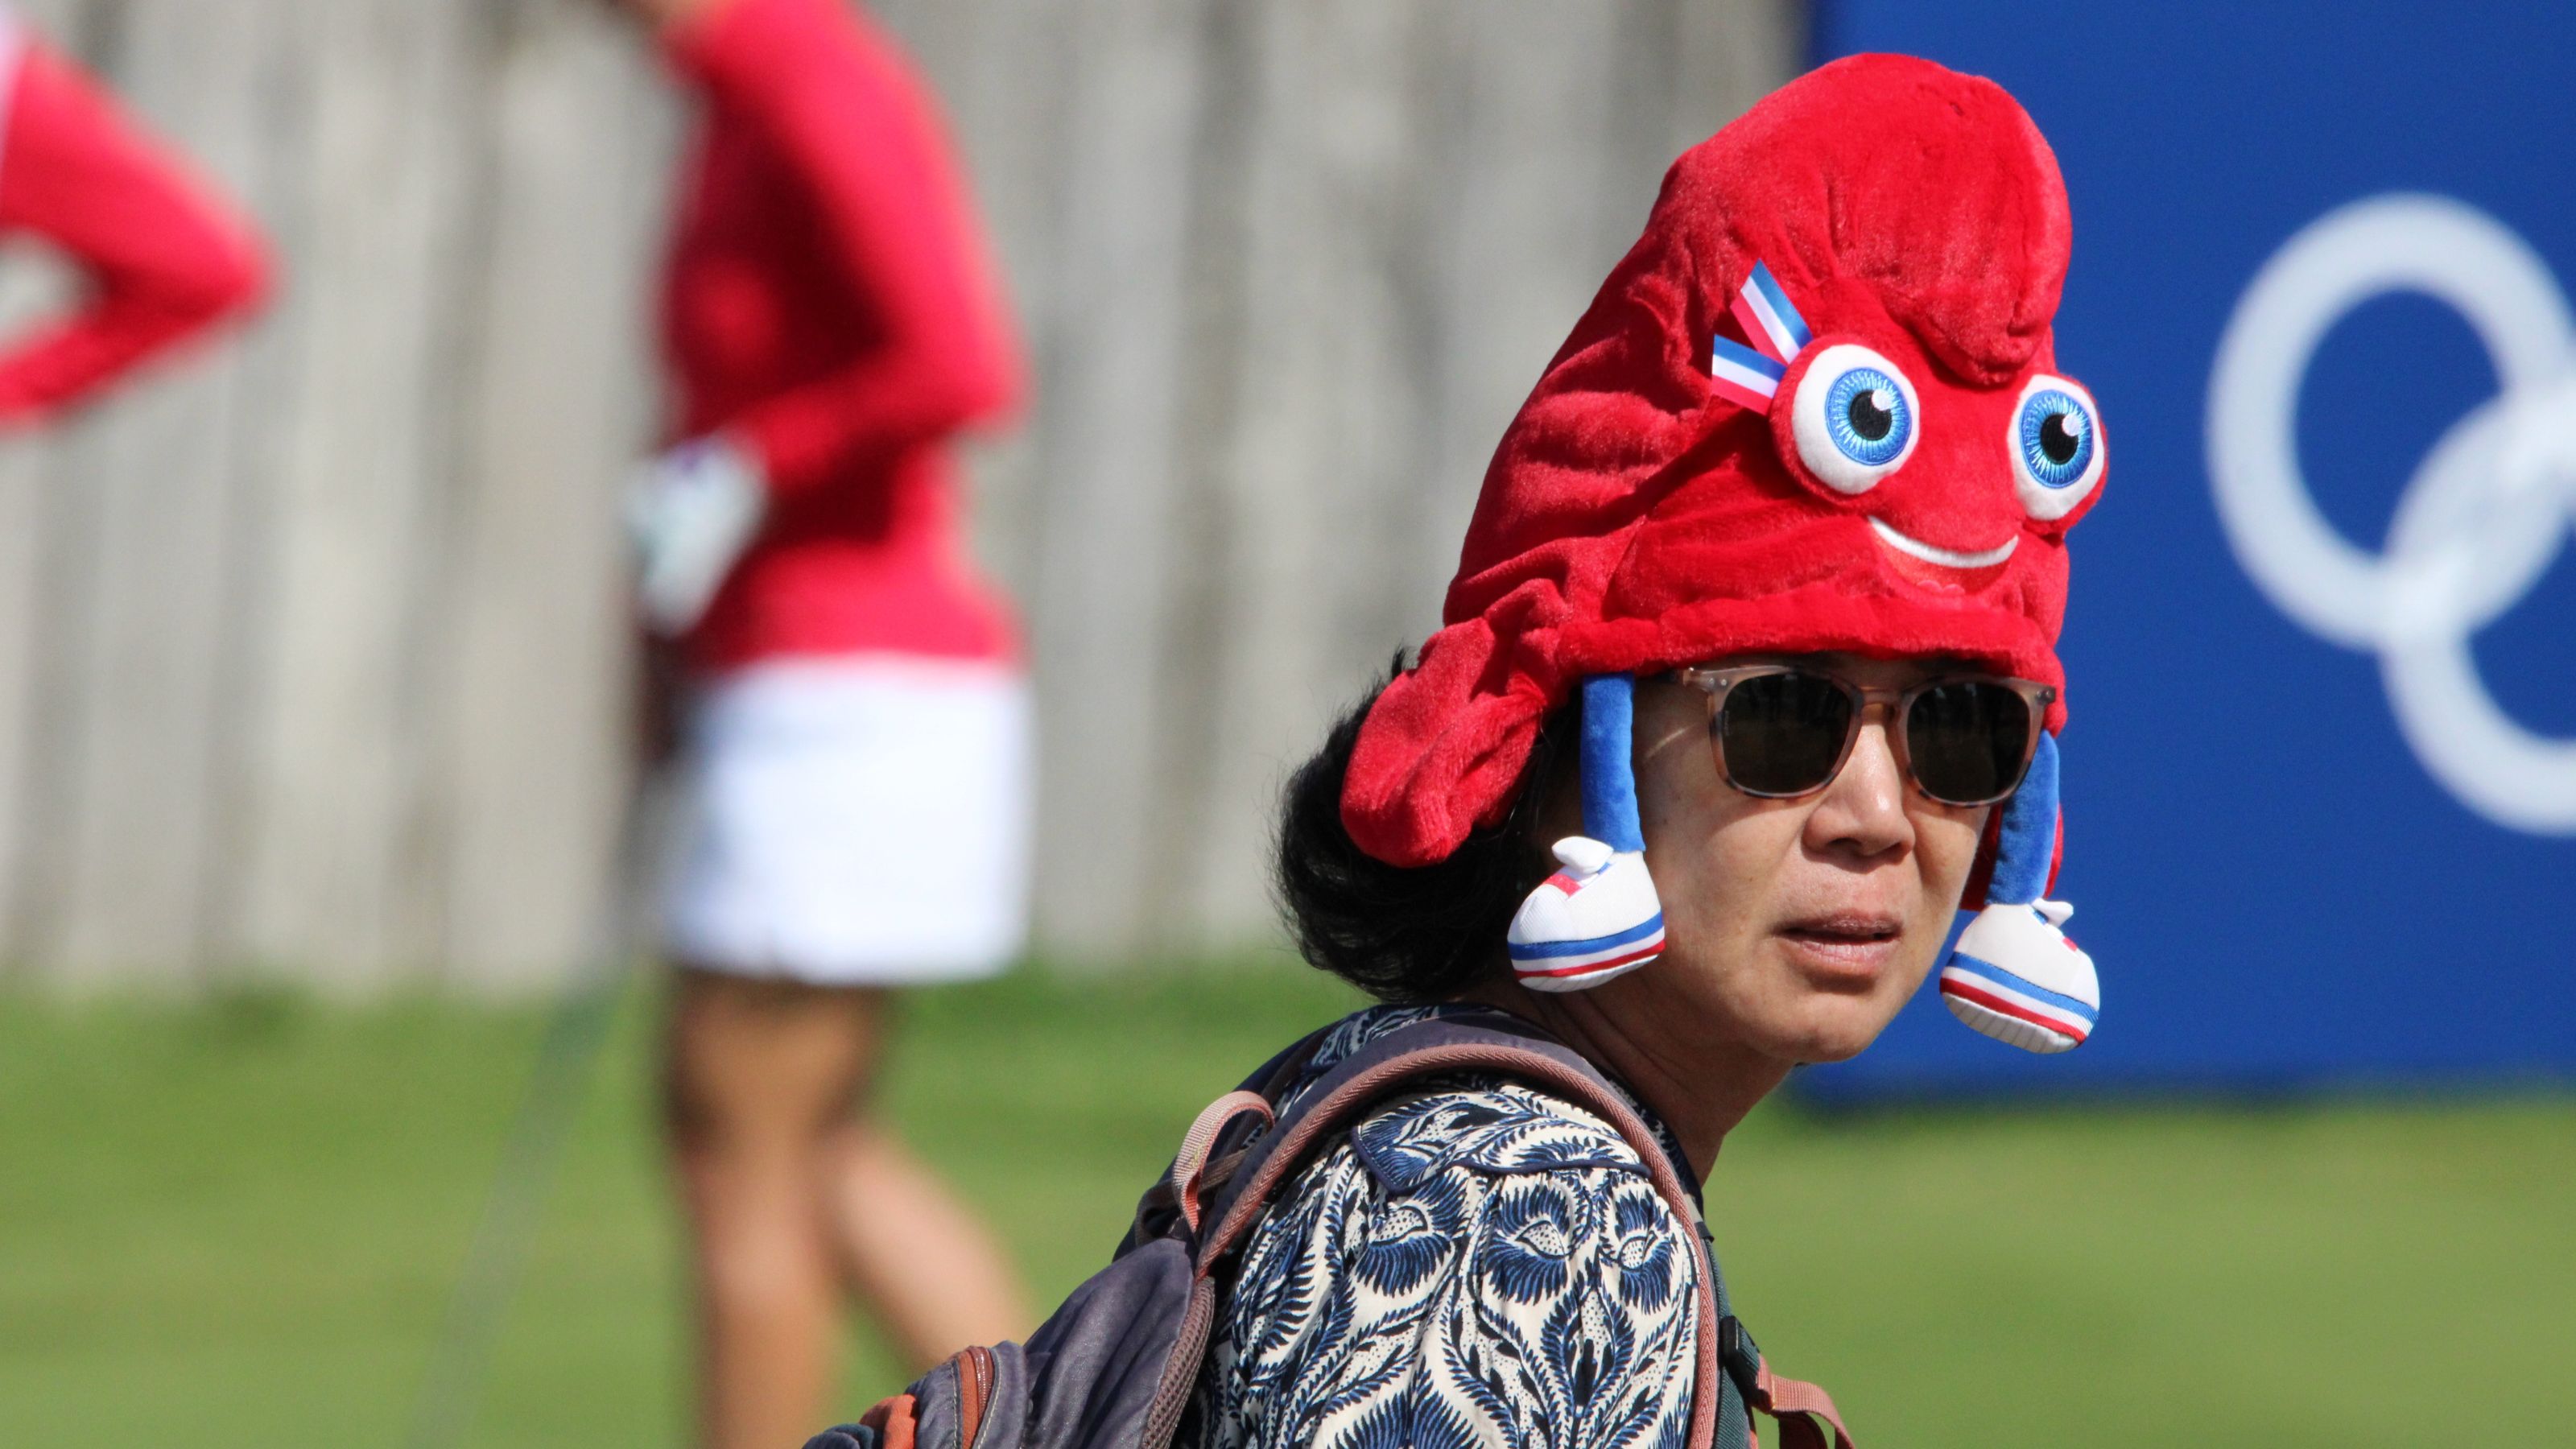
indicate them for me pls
(1782, 731)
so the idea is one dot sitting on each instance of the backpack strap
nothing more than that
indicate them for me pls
(1806, 1413)
(1215, 1143)
(1189, 1166)
(1494, 1043)
(1491, 1042)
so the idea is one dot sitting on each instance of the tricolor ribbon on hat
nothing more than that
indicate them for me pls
(1749, 376)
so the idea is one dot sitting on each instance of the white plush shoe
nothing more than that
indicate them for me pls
(1596, 919)
(2016, 977)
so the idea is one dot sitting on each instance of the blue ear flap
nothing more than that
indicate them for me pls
(2014, 975)
(1607, 762)
(1598, 918)
(2026, 846)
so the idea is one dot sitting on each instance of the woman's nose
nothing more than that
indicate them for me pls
(1863, 811)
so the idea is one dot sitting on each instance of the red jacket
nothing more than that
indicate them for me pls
(163, 258)
(827, 304)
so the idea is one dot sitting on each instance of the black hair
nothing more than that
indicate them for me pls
(1406, 934)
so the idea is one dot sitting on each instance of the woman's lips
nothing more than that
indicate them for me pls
(1852, 944)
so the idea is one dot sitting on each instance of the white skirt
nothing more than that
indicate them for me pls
(856, 822)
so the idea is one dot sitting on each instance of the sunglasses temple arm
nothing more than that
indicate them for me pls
(1607, 762)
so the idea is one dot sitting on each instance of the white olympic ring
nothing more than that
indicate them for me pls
(2481, 520)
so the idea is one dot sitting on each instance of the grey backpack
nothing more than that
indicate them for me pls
(1114, 1368)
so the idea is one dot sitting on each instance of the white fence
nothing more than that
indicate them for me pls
(310, 649)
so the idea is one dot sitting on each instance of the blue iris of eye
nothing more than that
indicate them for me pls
(2056, 438)
(1866, 415)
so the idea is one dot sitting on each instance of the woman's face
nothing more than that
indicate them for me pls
(1797, 927)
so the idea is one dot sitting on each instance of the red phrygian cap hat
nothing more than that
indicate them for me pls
(1649, 508)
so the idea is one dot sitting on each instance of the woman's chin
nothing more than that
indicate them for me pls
(1828, 1051)
(1822, 1027)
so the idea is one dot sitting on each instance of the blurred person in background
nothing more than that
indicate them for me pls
(161, 257)
(850, 712)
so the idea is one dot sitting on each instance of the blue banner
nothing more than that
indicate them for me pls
(2320, 772)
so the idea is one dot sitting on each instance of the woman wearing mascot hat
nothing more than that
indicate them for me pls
(1747, 685)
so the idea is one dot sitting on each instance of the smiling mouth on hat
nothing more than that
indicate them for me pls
(1946, 557)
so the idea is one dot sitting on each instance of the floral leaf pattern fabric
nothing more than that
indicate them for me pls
(1480, 1266)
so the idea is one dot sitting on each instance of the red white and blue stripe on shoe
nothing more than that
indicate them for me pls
(2015, 976)
(1995, 992)
(1597, 918)
(1556, 965)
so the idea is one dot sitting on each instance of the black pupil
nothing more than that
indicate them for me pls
(1867, 418)
(2057, 437)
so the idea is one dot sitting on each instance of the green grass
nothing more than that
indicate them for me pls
(237, 1225)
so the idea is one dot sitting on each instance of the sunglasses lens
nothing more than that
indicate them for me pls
(1783, 734)
(1967, 741)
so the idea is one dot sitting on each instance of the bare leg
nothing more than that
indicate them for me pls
(760, 1078)
(919, 1258)
(792, 1189)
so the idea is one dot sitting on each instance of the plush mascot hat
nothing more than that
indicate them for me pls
(1814, 409)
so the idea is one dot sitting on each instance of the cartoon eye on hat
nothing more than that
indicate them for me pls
(2056, 446)
(1854, 418)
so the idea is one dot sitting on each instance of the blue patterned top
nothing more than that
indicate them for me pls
(1483, 1265)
